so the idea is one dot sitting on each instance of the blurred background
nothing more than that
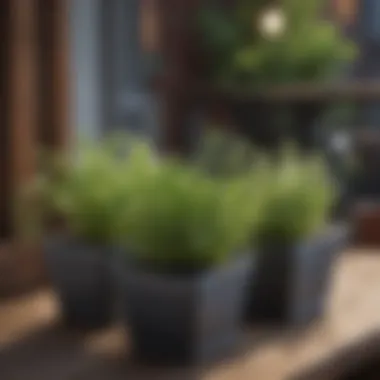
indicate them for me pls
(72, 70)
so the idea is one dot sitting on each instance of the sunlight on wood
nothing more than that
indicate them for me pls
(353, 313)
(110, 342)
(23, 316)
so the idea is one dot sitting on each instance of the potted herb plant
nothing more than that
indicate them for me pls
(296, 243)
(85, 196)
(251, 46)
(187, 266)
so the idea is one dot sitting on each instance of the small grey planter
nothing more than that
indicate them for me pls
(290, 284)
(190, 319)
(81, 276)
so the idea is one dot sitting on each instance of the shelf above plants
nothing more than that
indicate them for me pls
(355, 91)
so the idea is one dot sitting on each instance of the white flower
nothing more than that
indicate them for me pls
(272, 23)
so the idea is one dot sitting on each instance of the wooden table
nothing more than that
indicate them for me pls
(33, 346)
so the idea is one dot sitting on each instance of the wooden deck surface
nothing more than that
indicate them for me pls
(34, 347)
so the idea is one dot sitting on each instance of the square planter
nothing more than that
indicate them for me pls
(189, 319)
(81, 276)
(290, 284)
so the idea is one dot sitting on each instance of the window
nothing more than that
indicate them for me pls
(129, 50)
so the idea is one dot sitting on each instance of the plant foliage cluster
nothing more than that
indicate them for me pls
(176, 215)
(304, 47)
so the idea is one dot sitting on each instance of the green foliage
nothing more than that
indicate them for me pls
(224, 154)
(299, 196)
(87, 194)
(173, 215)
(294, 193)
(184, 219)
(309, 48)
(177, 216)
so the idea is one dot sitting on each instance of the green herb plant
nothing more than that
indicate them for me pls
(88, 193)
(300, 193)
(182, 219)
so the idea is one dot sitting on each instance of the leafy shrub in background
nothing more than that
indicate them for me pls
(302, 47)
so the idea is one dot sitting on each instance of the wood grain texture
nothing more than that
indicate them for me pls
(33, 345)
(22, 269)
(4, 114)
(22, 121)
(21, 265)
(53, 73)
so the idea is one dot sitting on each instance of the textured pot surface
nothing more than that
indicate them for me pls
(80, 274)
(290, 284)
(185, 319)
